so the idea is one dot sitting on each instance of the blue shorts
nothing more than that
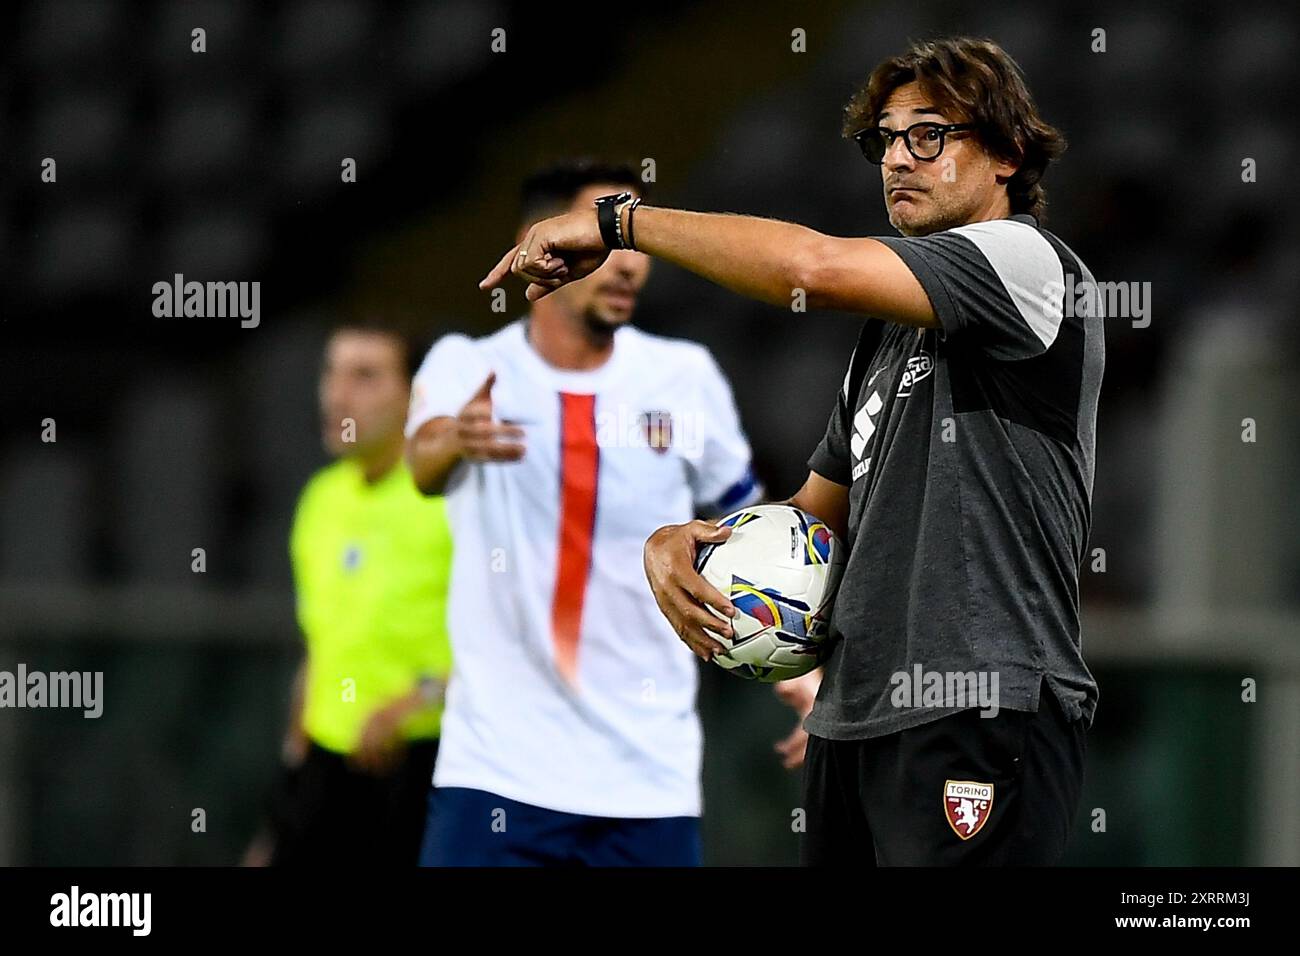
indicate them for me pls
(476, 828)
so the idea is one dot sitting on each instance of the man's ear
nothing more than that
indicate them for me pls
(1004, 167)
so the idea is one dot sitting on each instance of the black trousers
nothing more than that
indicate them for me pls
(961, 790)
(325, 813)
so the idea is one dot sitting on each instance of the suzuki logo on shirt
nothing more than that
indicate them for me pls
(864, 422)
(863, 428)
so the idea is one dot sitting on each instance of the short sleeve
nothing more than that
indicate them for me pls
(451, 373)
(999, 283)
(721, 474)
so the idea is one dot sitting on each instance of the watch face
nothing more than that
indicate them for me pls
(615, 198)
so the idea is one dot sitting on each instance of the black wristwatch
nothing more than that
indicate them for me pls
(611, 230)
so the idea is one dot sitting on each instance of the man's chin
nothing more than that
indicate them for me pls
(916, 225)
(907, 221)
(607, 321)
(336, 447)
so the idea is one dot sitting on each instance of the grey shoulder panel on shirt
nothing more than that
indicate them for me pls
(999, 282)
(1029, 269)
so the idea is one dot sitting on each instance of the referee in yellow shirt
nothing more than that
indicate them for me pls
(371, 560)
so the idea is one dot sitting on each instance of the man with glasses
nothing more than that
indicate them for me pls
(957, 465)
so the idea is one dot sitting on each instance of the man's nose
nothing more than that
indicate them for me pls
(334, 394)
(626, 263)
(898, 156)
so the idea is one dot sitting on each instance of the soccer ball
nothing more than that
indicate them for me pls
(780, 568)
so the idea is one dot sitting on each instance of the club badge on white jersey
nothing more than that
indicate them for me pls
(569, 689)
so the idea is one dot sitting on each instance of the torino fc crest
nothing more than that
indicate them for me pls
(658, 428)
(967, 806)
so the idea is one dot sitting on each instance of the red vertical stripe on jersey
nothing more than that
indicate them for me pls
(579, 460)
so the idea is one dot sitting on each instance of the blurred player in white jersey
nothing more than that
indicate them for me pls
(562, 442)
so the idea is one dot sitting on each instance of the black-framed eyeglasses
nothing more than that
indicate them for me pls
(924, 140)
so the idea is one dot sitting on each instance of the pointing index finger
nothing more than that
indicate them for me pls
(500, 270)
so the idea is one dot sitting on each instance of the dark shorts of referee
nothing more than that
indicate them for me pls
(469, 827)
(325, 813)
(963, 790)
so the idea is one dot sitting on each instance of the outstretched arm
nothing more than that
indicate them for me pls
(764, 259)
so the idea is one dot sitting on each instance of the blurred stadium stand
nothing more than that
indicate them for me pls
(176, 434)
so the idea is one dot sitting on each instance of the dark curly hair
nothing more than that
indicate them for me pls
(980, 81)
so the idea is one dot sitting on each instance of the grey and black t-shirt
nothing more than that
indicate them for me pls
(968, 453)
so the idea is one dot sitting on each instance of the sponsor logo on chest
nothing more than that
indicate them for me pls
(866, 421)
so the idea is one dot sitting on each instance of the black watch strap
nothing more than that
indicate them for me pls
(611, 231)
